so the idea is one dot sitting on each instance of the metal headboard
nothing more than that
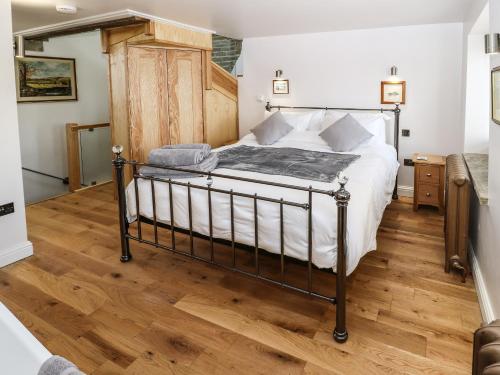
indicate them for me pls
(396, 110)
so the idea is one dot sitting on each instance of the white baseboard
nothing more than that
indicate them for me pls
(482, 293)
(405, 191)
(17, 253)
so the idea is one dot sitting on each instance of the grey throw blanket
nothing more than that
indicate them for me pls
(57, 365)
(207, 165)
(179, 155)
(190, 146)
(286, 161)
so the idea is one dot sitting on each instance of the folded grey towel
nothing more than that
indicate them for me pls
(171, 157)
(207, 165)
(57, 365)
(190, 146)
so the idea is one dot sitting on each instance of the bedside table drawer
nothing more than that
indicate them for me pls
(428, 173)
(428, 194)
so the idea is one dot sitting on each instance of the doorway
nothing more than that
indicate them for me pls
(43, 122)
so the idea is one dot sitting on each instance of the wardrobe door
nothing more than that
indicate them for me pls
(148, 100)
(185, 96)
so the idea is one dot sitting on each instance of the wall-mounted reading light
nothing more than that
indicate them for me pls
(19, 46)
(492, 43)
(394, 75)
(393, 88)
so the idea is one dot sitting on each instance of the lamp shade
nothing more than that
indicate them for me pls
(394, 75)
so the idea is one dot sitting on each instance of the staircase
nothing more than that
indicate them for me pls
(226, 52)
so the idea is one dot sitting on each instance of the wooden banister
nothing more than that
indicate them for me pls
(73, 150)
(221, 107)
(224, 80)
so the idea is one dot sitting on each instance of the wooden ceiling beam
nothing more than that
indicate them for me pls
(127, 21)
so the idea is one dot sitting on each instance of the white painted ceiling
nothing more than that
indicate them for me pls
(251, 18)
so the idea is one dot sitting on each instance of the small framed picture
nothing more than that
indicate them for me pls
(44, 79)
(281, 86)
(393, 92)
(495, 95)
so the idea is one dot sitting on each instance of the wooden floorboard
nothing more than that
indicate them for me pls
(166, 314)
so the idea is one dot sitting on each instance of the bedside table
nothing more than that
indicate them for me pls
(429, 181)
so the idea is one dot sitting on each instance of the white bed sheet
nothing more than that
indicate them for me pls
(371, 183)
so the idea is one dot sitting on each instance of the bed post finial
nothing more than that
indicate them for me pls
(342, 197)
(397, 112)
(268, 107)
(119, 164)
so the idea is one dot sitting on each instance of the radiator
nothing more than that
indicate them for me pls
(457, 195)
(486, 352)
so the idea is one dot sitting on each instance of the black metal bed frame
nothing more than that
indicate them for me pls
(341, 196)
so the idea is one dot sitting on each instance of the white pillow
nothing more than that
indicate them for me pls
(317, 118)
(330, 118)
(303, 120)
(377, 127)
(297, 120)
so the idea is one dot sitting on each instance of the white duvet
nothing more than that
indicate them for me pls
(371, 182)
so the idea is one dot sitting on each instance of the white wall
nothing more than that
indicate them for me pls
(475, 12)
(14, 244)
(477, 104)
(345, 69)
(476, 79)
(485, 236)
(42, 125)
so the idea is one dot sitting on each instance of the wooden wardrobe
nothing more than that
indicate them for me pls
(164, 89)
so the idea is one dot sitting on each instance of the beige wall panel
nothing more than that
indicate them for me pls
(164, 32)
(185, 96)
(148, 100)
(118, 96)
(221, 118)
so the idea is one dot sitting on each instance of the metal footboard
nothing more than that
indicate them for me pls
(341, 196)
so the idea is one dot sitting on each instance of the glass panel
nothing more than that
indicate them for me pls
(95, 156)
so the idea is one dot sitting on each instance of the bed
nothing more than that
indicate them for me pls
(294, 218)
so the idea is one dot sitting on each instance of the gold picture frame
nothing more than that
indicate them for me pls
(495, 95)
(393, 92)
(45, 79)
(281, 86)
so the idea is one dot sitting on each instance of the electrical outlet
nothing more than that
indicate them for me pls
(409, 162)
(405, 132)
(7, 208)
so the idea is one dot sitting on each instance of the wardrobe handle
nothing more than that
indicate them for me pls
(428, 194)
(429, 175)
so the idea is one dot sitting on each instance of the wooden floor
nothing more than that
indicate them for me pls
(162, 314)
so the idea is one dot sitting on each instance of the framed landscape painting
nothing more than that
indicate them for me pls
(393, 92)
(43, 79)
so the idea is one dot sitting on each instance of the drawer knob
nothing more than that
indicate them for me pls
(427, 194)
(429, 175)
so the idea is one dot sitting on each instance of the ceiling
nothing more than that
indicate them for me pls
(253, 18)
